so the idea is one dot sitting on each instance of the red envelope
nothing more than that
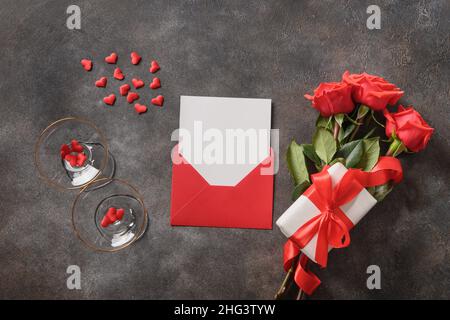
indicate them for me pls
(246, 205)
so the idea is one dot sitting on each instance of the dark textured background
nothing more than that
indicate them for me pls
(265, 49)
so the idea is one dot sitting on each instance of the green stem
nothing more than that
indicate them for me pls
(355, 131)
(395, 148)
(336, 129)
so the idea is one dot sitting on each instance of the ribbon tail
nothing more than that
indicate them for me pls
(305, 279)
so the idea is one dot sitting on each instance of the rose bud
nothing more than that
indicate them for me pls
(372, 91)
(407, 126)
(332, 98)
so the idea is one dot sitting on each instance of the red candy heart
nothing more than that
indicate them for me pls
(154, 66)
(81, 159)
(112, 58)
(64, 150)
(132, 96)
(120, 213)
(158, 101)
(135, 58)
(156, 83)
(118, 74)
(111, 216)
(101, 83)
(72, 159)
(140, 108)
(124, 89)
(110, 99)
(87, 64)
(137, 83)
(76, 146)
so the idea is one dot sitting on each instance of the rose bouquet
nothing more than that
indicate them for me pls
(350, 175)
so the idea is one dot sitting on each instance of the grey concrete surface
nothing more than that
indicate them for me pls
(267, 49)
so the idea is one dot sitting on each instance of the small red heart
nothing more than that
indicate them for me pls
(111, 214)
(154, 66)
(156, 83)
(81, 159)
(110, 99)
(112, 58)
(105, 222)
(158, 101)
(124, 89)
(137, 83)
(76, 146)
(87, 64)
(132, 96)
(135, 58)
(64, 150)
(118, 74)
(140, 108)
(72, 159)
(101, 83)
(119, 214)
(109, 217)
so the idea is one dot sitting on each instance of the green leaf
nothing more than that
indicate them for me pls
(296, 163)
(380, 192)
(362, 111)
(355, 155)
(311, 154)
(352, 152)
(341, 160)
(299, 189)
(347, 131)
(371, 153)
(323, 122)
(339, 118)
(324, 144)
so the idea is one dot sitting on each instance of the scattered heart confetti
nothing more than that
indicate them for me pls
(132, 96)
(87, 64)
(154, 66)
(112, 58)
(137, 83)
(64, 150)
(135, 58)
(101, 83)
(156, 83)
(110, 99)
(124, 89)
(76, 146)
(158, 101)
(140, 108)
(118, 74)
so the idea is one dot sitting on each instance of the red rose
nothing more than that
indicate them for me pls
(372, 91)
(409, 127)
(332, 98)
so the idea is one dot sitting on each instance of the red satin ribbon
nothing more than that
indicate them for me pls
(332, 225)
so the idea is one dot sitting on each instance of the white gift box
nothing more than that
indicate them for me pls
(303, 210)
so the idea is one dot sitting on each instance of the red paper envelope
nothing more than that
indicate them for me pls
(198, 199)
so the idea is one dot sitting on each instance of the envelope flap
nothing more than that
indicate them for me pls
(224, 139)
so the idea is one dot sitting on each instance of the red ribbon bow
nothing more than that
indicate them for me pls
(332, 226)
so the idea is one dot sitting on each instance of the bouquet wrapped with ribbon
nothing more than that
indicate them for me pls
(351, 176)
